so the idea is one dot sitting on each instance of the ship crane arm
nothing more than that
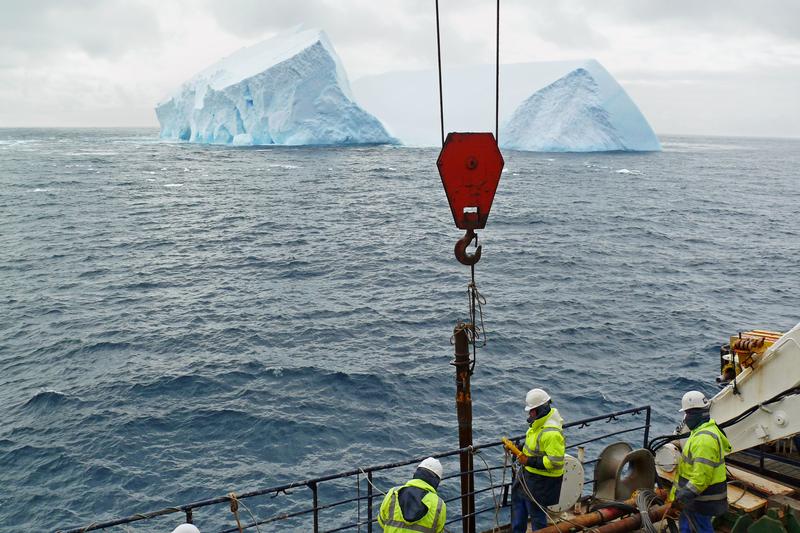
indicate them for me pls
(763, 403)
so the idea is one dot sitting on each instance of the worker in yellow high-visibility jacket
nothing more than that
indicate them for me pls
(415, 507)
(538, 481)
(700, 481)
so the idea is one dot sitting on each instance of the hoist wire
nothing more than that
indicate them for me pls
(497, 81)
(474, 296)
(497, 74)
(439, 55)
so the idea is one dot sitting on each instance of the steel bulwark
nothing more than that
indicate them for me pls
(369, 472)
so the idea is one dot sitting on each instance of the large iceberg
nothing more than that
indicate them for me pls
(290, 90)
(566, 116)
(469, 103)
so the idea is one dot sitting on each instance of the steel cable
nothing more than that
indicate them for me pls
(439, 56)
(497, 73)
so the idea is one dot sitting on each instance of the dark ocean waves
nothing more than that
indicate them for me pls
(179, 321)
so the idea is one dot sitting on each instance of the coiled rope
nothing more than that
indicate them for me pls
(645, 499)
(235, 503)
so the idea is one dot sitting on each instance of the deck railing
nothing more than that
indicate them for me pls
(350, 501)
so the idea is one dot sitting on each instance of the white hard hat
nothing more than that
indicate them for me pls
(186, 528)
(694, 400)
(432, 465)
(535, 398)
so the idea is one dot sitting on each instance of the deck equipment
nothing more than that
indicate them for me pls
(470, 165)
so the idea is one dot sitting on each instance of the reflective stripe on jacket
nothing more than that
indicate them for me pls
(702, 469)
(391, 516)
(545, 439)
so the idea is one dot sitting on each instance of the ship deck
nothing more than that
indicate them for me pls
(781, 467)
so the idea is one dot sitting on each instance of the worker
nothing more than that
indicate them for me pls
(538, 480)
(700, 481)
(415, 506)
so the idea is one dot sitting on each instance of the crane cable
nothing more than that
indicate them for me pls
(476, 300)
(497, 74)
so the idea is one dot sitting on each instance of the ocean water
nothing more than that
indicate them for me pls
(178, 321)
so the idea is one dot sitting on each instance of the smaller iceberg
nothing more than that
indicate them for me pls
(573, 114)
(289, 90)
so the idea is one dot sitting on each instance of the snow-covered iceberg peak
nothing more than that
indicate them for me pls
(291, 89)
(565, 116)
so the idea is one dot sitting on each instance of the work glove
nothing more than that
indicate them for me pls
(684, 496)
(535, 461)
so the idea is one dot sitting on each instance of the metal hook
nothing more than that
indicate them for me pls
(461, 249)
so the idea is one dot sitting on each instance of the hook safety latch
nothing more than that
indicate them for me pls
(461, 249)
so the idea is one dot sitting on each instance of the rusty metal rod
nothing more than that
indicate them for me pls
(632, 522)
(595, 518)
(464, 411)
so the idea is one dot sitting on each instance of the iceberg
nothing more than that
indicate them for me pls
(288, 90)
(469, 104)
(565, 116)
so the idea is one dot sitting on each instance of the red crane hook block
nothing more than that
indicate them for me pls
(470, 165)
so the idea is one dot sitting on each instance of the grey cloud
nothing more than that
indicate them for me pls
(101, 28)
(254, 17)
(368, 25)
(566, 27)
(777, 17)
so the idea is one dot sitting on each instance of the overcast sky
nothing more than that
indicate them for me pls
(723, 67)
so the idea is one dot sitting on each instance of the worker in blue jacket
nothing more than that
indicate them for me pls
(416, 506)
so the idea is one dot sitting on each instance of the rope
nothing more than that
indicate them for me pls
(472, 289)
(739, 483)
(530, 496)
(491, 484)
(255, 520)
(476, 303)
(506, 455)
(370, 482)
(235, 509)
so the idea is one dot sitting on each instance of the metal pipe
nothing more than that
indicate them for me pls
(369, 502)
(276, 518)
(601, 516)
(638, 428)
(464, 411)
(595, 518)
(633, 522)
(313, 487)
